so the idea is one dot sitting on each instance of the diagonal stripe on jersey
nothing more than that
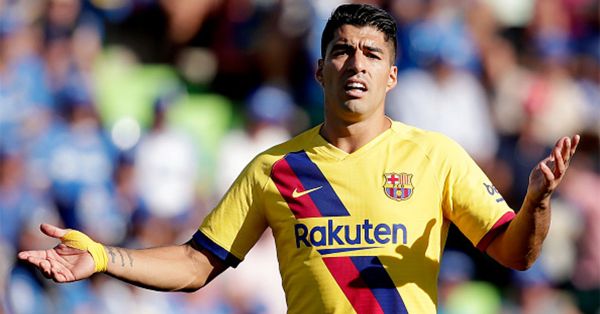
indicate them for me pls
(286, 181)
(297, 172)
(379, 282)
(354, 287)
(366, 284)
(311, 176)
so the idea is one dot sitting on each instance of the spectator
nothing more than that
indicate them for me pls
(165, 163)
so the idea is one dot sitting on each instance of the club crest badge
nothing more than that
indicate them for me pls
(398, 186)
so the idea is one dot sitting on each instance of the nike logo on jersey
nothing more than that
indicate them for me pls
(296, 194)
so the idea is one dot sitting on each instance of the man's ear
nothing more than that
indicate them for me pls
(392, 78)
(319, 72)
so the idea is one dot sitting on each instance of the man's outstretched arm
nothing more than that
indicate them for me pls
(172, 268)
(520, 244)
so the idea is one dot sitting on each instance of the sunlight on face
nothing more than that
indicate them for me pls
(357, 72)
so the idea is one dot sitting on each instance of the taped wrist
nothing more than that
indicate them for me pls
(79, 240)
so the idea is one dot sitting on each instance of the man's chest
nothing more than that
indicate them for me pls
(354, 204)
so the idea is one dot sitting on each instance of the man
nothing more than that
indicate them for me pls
(359, 206)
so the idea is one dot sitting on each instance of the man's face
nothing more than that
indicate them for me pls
(357, 72)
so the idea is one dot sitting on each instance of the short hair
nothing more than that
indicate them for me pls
(360, 15)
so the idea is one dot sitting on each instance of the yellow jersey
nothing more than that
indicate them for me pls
(361, 232)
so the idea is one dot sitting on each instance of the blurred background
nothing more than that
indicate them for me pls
(128, 120)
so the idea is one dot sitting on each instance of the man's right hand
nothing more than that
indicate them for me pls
(168, 268)
(61, 263)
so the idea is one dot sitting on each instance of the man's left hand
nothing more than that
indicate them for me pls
(547, 175)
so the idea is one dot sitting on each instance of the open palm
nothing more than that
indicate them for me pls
(548, 174)
(61, 263)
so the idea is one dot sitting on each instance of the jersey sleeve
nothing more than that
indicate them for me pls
(238, 221)
(470, 200)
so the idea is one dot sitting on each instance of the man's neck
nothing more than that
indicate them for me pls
(349, 137)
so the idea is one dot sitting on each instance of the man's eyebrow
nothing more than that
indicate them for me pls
(341, 45)
(373, 49)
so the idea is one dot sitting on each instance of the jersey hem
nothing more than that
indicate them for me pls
(206, 243)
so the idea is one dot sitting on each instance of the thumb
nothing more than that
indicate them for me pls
(53, 231)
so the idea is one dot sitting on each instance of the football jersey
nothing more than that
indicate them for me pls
(361, 232)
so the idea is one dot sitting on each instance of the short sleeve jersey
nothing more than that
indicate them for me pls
(361, 232)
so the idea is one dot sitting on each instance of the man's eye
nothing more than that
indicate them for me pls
(374, 56)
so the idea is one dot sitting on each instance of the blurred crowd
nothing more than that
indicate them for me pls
(129, 119)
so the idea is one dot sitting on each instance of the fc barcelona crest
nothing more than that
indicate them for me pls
(398, 186)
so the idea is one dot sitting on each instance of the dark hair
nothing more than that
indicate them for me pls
(359, 15)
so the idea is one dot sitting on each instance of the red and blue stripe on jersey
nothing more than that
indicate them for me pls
(296, 171)
(363, 279)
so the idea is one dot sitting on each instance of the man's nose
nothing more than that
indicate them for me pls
(357, 62)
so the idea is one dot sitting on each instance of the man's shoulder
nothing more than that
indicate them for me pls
(420, 136)
(302, 141)
(430, 142)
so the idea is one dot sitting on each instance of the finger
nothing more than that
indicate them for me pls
(53, 231)
(46, 266)
(559, 162)
(559, 143)
(35, 260)
(549, 161)
(61, 273)
(26, 254)
(575, 143)
(565, 151)
(58, 277)
(548, 174)
(42, 264)
(50, 270)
